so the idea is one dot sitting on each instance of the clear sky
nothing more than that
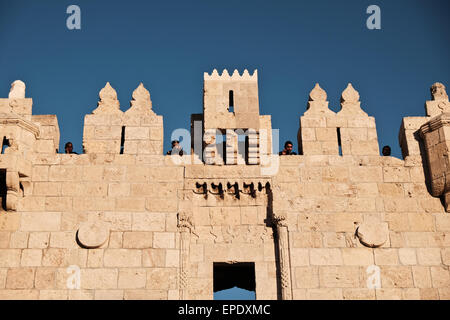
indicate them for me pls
(168, 45)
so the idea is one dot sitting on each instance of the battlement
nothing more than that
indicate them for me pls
(132, 223)
(225, 76)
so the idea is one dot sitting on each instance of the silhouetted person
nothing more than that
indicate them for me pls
(287, 149)
(386, 151)
(69, 148)
(176, 148)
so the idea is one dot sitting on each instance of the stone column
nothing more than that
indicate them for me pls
(283, 249)
(185, 227)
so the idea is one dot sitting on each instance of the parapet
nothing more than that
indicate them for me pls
(22, 135)
(225, 76)
(349, 132)
(137, 131)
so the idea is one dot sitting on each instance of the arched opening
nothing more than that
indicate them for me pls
(234, 281)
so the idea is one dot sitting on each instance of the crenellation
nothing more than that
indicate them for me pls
(140, 225)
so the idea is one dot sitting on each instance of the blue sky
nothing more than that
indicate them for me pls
(168, 45)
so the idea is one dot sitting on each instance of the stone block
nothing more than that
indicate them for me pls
(43, 221)
(323, 257)
(95, 258)
(324, 294)
(4, 239)
(386, 257)
(19, 294)
(53, 295)
(142, 294)
(108, 295)
(389, 294)
(306, 277)
(10, 258)
(407, 256)
(122, 258)
(31, 258)
(20, 278)
(357, 256)
(19, 240)
(161, 278)
(299, 257)
(132, 278)
(396, 277)
(148, 221)
(366, 174)
(137, 240)
(40, 173)
(154, 257)
(429, 256)
(339, 277)
(164, 240)
(47, 188)
(429, 294)
(358, 294)
(45, 278)
(130, 204)
(440, 277)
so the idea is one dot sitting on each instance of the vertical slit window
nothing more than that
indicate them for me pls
(122, 140)
(339, 140)
(5, 144)
(230, 101)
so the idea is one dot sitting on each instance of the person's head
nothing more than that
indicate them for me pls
(69, 147)
(288, 146)
(175, 143)
(386, 151)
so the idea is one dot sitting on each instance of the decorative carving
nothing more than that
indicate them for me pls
(108, 101)
(184, 263)
(17, 90)
(350, 94)
(317, 102)
(185, 220)
(229, 235)
(350, 104)
(284, 260)
(435, 139)
(438, 92)
(279, 219)
(92, 235)
(141, 102)
(285, 279)
(235, 76)
(372, 233)
(317, 94)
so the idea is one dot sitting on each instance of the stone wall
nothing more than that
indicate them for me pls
(136, 224)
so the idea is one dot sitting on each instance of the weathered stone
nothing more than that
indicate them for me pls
(373, 234)
(93, 234)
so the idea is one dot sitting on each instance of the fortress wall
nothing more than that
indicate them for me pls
(137, 199)
(326, 199)
(139, 226)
